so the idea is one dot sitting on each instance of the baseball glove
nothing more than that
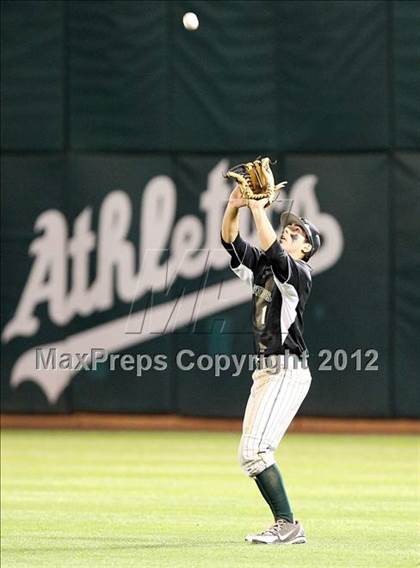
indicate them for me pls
(256, 180)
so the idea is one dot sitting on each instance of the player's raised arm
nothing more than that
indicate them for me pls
(266, 233)
(268, 239)
(244, 257)
(230, 224)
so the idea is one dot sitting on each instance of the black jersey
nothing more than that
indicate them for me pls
(280, 288)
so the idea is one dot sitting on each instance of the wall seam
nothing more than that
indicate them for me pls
(391, 208)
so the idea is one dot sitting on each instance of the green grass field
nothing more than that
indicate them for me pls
(179, 499)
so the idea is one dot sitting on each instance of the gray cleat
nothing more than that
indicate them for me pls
(282, 532)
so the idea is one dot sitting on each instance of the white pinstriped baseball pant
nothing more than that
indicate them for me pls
(275, 398)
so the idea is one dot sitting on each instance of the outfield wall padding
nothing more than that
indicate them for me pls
(118, 121)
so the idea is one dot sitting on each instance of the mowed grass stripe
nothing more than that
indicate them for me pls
(151, 499)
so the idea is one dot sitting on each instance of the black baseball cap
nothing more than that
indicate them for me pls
(311, 231)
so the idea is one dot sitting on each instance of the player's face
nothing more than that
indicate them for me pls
(293, 239)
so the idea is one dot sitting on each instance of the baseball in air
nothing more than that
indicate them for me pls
(190, 21)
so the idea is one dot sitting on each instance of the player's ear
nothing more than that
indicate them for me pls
(306, 247)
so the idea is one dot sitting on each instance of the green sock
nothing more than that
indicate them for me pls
(272, 489)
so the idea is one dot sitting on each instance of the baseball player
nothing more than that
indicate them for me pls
(280, 280)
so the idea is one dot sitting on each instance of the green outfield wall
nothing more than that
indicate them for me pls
(116, 127)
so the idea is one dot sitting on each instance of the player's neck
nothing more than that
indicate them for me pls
(296, 256)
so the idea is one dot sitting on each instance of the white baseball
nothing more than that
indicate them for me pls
(190, 21)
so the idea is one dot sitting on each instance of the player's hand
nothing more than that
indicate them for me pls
(255, 204)
(236, 199)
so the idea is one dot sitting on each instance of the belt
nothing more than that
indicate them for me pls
(289, 361)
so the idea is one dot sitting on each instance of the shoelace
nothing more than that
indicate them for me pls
(278, 525)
